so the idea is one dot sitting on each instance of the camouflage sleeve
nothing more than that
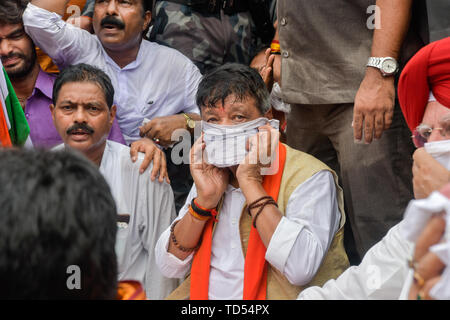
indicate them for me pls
(88, 10)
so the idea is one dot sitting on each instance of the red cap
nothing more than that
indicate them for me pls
(428, 70)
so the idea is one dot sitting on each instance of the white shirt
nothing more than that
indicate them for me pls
(297, 247)
(160, 82)
(380, 276)
(150, 205)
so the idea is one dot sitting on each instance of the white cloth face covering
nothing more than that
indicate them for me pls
(439, 150)
(226, 145)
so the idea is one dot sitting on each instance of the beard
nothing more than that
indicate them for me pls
(24, 68)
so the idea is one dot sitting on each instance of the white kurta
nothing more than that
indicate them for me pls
(297, 247)
(381, 274)
(150, 205)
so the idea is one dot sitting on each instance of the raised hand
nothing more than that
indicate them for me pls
(210, 181)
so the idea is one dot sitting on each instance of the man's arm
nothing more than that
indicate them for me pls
(380, 275)
(63, 42)
(375, 99)
(57, 6)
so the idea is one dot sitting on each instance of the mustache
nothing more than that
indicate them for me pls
(80, 126)
(112, 20)
(13, 55)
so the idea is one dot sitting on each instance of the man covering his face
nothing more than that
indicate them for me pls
(287, 219)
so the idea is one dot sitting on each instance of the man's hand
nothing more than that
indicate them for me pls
(266, 70)
(428, 174)
(163, 127)
(152, 152)
(427, 264)
(82, 22)
(262, 148)
(210, 181)
(374, 106)
(263, 63)
(58, 6)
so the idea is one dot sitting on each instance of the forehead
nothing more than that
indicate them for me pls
(133, 2)
(232, 104)
(81, 92)
(7, 29)
(434, 112)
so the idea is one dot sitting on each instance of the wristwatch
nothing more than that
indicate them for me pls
(387, 65)
(189, 121)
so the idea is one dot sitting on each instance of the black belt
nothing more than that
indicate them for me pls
(229, 7)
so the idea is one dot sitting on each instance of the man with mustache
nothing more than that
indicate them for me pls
(32, 85)
(83, 113)
(151, 81)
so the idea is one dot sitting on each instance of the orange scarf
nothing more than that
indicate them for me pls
(255, 268)
(130, 290)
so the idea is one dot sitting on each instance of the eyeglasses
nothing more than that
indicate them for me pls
(423, 132)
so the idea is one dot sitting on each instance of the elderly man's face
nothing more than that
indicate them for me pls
(82, 117)
(437, 117)
(232, 112)
(119, 24)
(17, 51)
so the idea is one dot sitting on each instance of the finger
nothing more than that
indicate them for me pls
(428, 286)
(270, 61)
(147, 159)
(156, 165)
(196, 154)
(145, 128)
(163, 174)
(419, 155)
(430, 266)
(369, 121)
(358, 120)
(267, 55)
(266, 146)
(431, 235)
(445, 190)
(134, 151)
(388, 116)
(379, 125)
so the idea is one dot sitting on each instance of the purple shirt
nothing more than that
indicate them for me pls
(43, 133)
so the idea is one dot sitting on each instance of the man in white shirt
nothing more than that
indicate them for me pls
(151, 81)
(425, 101)
(293, 241)
(83, 113)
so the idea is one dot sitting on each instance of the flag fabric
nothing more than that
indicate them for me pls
(14, 128)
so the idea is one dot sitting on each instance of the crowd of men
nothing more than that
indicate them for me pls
(253, 149)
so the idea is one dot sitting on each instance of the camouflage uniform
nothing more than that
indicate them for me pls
(208, 40)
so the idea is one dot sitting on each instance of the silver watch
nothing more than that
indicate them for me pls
(387, 65)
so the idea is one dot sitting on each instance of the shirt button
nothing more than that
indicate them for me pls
(233, 221)
(285, 54)
(283, 21)
(27, 115)
(233, 246)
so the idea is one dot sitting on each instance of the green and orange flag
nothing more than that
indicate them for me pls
(14, 128)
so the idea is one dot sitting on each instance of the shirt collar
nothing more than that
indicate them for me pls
(44, 83)
(133, 65)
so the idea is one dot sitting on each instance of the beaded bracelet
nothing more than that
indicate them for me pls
(175, 242)
(261, 206)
